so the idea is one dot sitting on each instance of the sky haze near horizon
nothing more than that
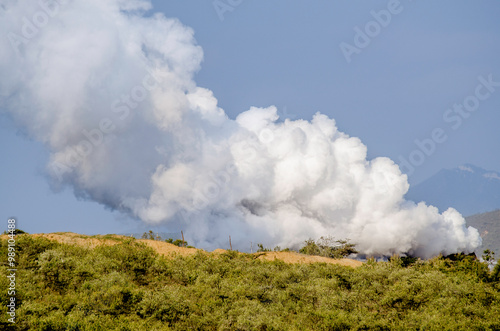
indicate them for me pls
(287, 54)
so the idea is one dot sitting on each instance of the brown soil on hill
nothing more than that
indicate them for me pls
(219, 251)
(170, 251)
(293, 257)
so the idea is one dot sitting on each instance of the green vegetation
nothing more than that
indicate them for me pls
(261, 248)
(111, 237)
(489, 257)
(128, 286)
(150, 235)
(328, 247)
(178, 242)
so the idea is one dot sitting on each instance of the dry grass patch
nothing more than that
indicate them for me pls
(292, 257)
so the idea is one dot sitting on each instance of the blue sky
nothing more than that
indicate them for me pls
(287, 53)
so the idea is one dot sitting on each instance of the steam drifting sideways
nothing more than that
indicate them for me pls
(109, 90)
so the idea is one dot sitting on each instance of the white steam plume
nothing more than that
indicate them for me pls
(110, 92)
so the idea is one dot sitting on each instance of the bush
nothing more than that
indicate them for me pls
(57, 269)
(132, 257)
(495, 274)
(29, 249)
(178, 242)
(163, 306)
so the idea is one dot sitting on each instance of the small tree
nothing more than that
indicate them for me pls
(180, 243)
(262, 248)
(344, 248)
(310, 248)
(489, 257)
(329, 247)
(148, 235)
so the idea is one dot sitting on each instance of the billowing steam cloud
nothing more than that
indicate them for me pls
(110, 92)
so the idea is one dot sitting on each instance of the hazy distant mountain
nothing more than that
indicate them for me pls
(469, 189)
(488, 225)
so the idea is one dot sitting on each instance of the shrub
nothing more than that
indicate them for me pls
(163, 306)
(178, 242)
(29, 249)
(56, 269)
(132, 257)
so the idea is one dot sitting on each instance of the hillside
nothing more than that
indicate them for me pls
(66, 281)
(467, 188)
(171, 251)
(488, 225)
